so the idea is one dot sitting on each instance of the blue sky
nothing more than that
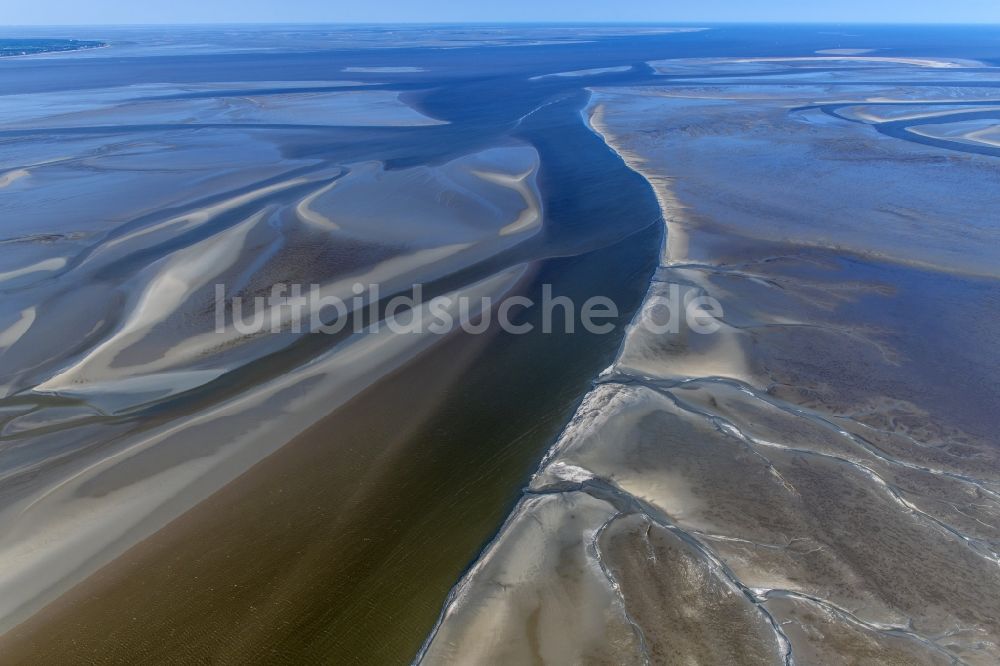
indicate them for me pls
(53, 12)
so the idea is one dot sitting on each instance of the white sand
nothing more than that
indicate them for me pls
(584, 72)
(384, 70)
(12, 176)
(126, 106)
(972, 132)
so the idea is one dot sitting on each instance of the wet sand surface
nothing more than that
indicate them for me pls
(172, 492)
(819, 480)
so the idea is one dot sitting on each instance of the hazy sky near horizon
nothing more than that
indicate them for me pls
(62, 12)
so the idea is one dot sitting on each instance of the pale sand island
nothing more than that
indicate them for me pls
(973, 132)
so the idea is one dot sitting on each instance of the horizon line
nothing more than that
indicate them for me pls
(657, 23)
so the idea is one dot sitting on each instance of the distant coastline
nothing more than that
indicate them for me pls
(23, 47)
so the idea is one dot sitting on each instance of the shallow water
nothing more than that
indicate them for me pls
(314, 498)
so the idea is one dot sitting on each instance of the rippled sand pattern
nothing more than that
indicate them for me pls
(88, 469)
